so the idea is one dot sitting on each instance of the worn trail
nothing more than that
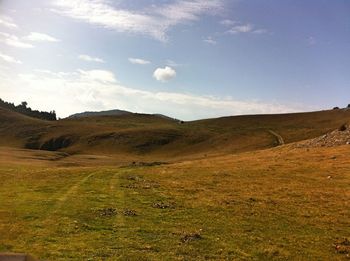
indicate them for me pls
(278, 137)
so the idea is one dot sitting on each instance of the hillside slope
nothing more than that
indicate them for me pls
(99, 113)
(151, 136)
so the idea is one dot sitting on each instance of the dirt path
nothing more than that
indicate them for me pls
(278, 137)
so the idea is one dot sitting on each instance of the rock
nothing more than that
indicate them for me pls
(163, 205)
(107, 212)
(129, 213)
(338, 137)
(190, 237)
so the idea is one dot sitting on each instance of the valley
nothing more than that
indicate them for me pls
(143, 187)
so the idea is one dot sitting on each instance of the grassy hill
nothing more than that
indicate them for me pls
(99, 113)
(89, 189)
(152, 136)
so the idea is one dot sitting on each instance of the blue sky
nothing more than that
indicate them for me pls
(189, 59)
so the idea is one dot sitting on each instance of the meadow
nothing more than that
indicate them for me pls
(282, 203)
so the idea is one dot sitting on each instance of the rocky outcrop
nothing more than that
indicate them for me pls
(338, 137)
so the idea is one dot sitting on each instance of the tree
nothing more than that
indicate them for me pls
(23, 109)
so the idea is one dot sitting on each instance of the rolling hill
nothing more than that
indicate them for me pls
(158, 189)
(99, 113)
(147, 136)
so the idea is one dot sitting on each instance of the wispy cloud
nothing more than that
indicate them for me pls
(69, 92)
(261, 31)
(40, 37)
(244, 28)
(154, 21)
(164, 74)
(88, 58)
(7, 22)
(210, 40)
(9, 59)
(227, 22)
(14, 41)
(239, 28)
(172, 63)
(26, 41)
(138, 61)
(311, 41)
(102, 76)
(187, 10)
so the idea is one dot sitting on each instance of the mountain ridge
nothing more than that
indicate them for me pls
(114, 112)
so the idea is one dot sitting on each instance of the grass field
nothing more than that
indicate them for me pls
(275, 204)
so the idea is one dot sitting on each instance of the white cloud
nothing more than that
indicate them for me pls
(70, 92)
(154, 21)
(260, 31)
(210, 40)
(227, 22)
(183, 11)
(23, 42)
(14, 41)
(164, 74)
(7, 22)
(88, 58)
(98, 75)
(246, 28)
(9, 59)
(138, 61)
(40, 37)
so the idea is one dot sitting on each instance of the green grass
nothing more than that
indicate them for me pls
(268, 205)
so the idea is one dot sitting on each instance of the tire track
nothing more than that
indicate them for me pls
(68, 194)
(73, 189)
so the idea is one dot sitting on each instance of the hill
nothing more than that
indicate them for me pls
(140, 186)
(24, 109)
(100, 113)
(149, 136)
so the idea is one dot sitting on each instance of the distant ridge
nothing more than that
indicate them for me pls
(114, 113)
(99, 113)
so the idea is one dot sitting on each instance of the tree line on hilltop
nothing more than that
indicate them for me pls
(24, 109)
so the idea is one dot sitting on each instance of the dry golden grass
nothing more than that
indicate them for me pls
(152, 137)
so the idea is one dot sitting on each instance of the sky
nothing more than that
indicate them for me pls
(188, 59)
